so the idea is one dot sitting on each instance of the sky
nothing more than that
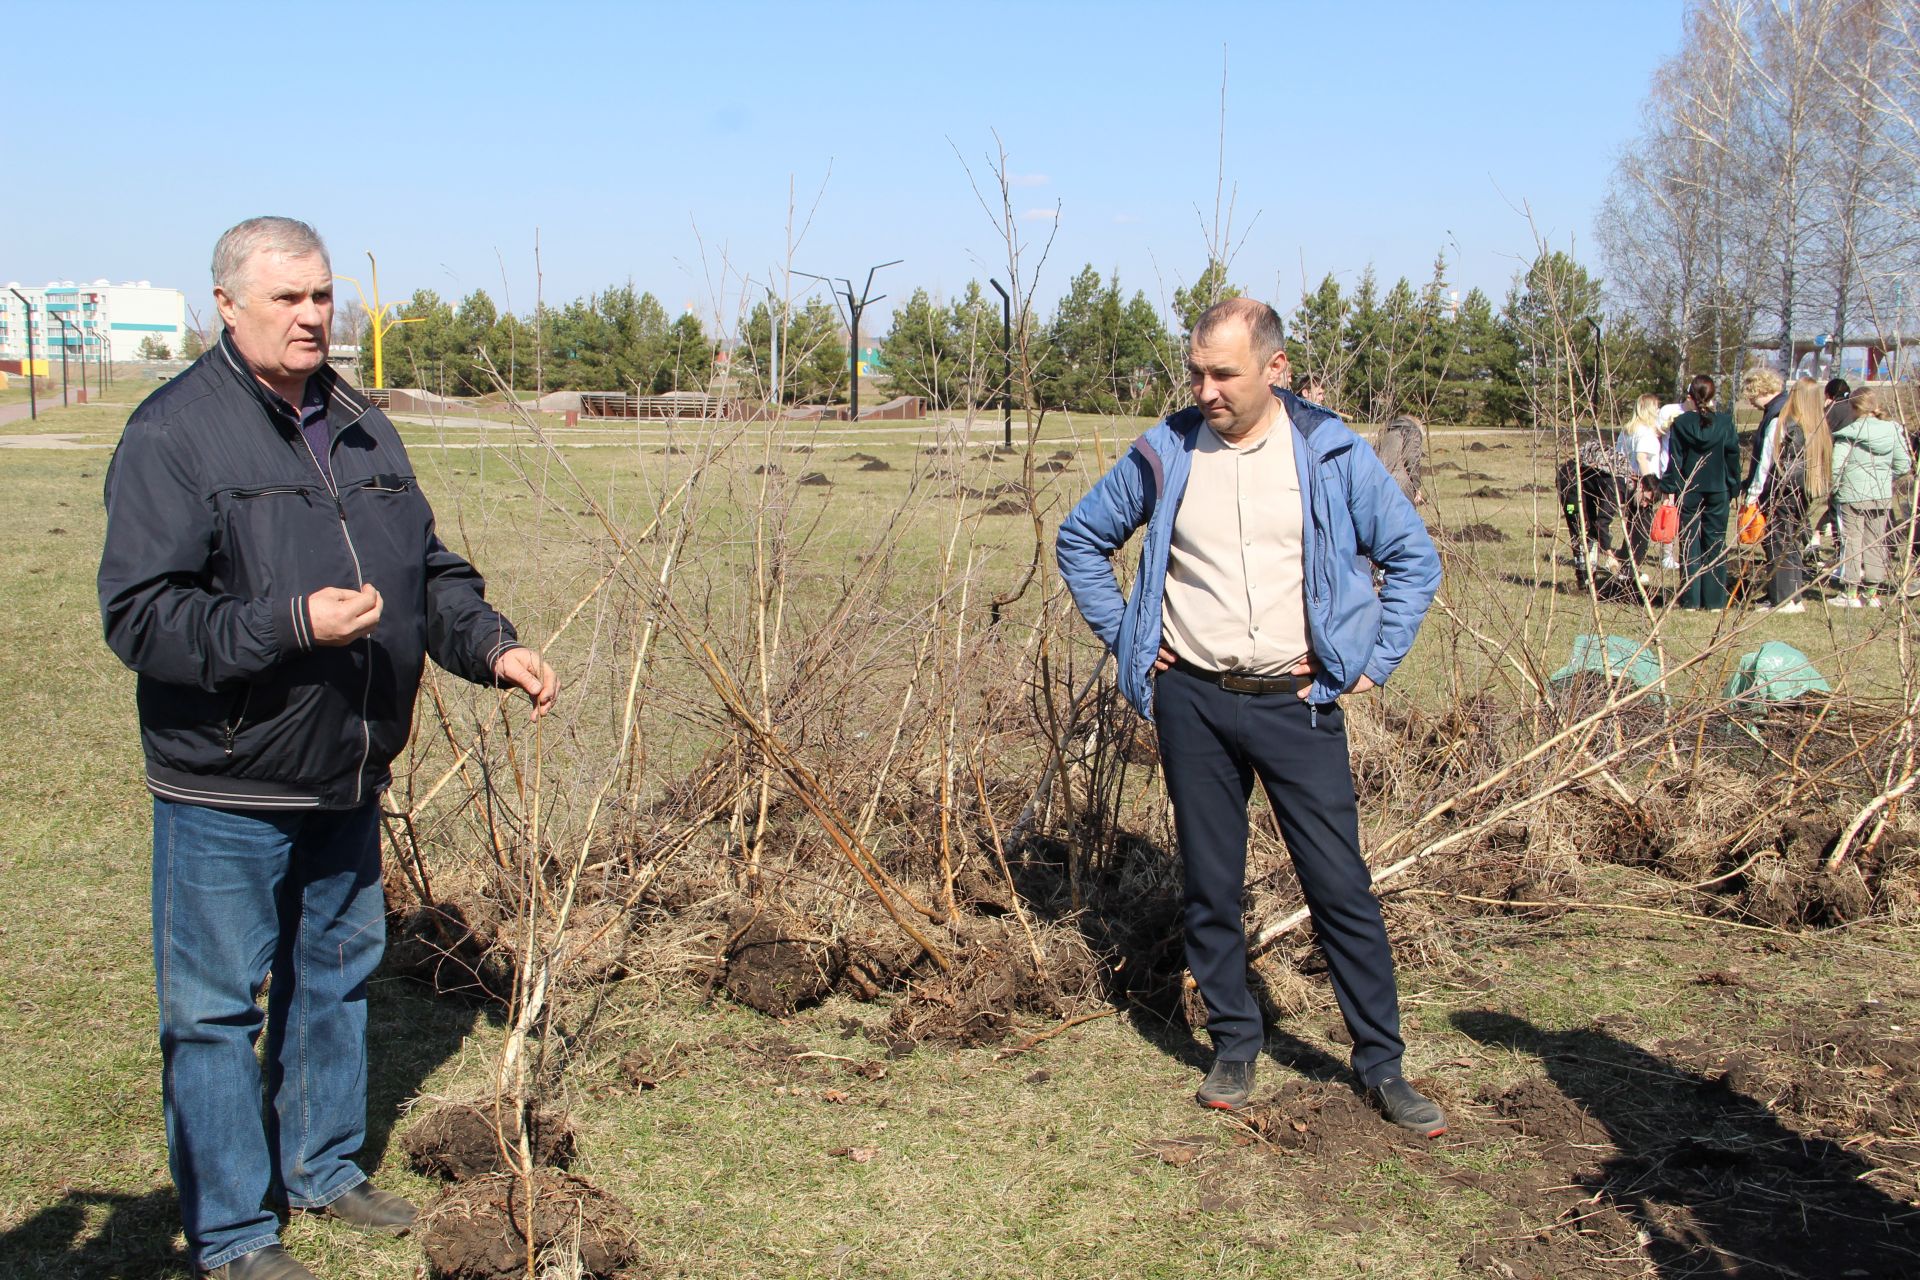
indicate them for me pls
(664, 145)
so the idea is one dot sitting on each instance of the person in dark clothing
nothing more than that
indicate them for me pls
(1594, 487)
(1839, 411)
(1702, 464)
(1775, 471)
(272, 575)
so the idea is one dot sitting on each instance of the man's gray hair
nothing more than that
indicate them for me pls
(235, 251)
(1262, 321)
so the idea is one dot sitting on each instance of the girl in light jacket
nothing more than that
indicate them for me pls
(1869, 454)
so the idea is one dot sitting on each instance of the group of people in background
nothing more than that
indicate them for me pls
(1822, 474)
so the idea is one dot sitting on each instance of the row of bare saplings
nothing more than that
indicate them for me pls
(821, 751)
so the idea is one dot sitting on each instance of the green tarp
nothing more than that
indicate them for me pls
(1615, 657)
(1775, 672)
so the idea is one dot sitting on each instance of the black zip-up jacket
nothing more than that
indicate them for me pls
(220, 524)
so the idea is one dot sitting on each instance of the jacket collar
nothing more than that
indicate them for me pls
(336, 390)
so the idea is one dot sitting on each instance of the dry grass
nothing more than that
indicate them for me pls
(887, 708)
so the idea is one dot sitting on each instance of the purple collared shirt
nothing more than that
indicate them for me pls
(313, 425)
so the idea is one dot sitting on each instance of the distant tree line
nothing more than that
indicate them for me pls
(1423, 350)
(612, 341)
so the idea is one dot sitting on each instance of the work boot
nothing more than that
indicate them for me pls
(270, 1263)
(1401, 1103)
(366, 1208)
(1227, 1086)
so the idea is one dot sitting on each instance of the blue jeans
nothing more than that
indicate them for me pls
(238, 897)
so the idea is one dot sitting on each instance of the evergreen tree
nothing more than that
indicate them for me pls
(1314, 336)
(813, 353)
(1211, 287)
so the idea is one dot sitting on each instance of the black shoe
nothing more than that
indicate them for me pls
(270, 1263)
(1401, 1103)
(1227, 1086)
(366, 1208)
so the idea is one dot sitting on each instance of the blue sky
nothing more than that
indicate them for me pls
(656, 143)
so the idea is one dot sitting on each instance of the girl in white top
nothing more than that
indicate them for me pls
(1640, 445)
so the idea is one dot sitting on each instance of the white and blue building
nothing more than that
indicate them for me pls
(103, 321)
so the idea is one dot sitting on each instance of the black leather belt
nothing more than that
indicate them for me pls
(1233, 682)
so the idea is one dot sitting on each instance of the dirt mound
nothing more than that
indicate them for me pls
(775, 964)
(1537, 1109)
(876, 465)
(1478, 531)
(459, 1140)
(1325, 1121)
(1062, 455)
(1051, 468)
(767, 469)
(477, 1229)
(1006, 507)
(859, 457)
(815, 478)
(447, 950)
(1486, 491)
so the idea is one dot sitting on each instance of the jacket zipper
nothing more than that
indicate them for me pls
(359, 577)
(233, 725)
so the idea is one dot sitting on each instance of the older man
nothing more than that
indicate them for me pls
(271, 572)
(1253, 613)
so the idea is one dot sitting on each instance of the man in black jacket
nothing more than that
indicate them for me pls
(272, 574)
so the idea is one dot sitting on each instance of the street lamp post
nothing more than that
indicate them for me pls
(378, 326)
(852, 315)
(33, 401)
(1006, 365)
(66, 329)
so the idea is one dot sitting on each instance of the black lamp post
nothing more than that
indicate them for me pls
(65, 330)
(854, 306)
(1006, 365)
(33, 401)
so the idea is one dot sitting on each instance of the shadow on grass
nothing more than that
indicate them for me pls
(1132, 915)
(95, 1235)
(1716, 1184)
(90, 1235)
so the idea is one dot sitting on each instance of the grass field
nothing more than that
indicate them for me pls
(1083, 1157)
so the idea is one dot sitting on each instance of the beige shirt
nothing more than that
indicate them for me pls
(1236, 571)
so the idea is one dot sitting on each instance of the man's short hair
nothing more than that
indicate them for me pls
(1263, 324)
(1837, 389)
(235, 250)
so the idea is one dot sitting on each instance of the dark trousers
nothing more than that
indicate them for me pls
(1703, 550)
(1590, 498)
(1213, 744)
(1786, 535)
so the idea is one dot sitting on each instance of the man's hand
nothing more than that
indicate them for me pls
(1166, 659)
(527, 670)
(1304, 667)
(338, 616)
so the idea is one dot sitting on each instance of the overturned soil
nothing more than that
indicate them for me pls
(477, 1230)
(1776, 1154)
(1478, 531)
(459, 1140)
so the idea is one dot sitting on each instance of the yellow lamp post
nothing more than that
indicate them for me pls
(377, 323)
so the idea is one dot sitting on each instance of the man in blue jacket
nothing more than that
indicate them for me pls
(1253, 613)
(272, 574)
